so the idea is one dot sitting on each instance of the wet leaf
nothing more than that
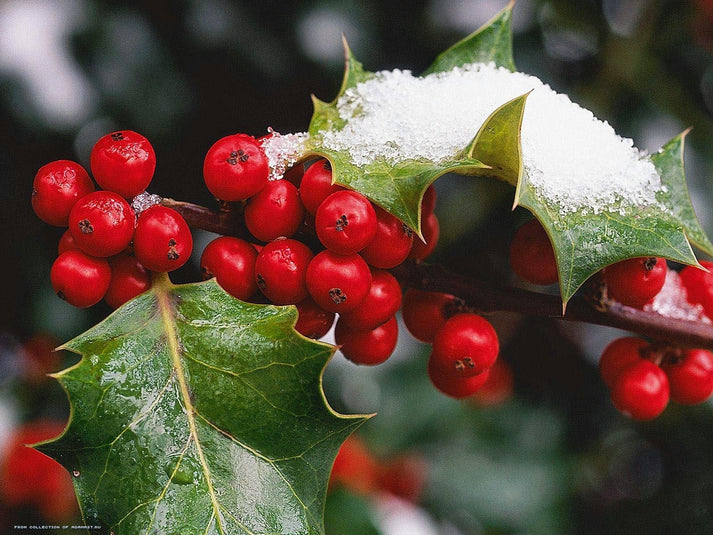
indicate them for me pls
(192, 412)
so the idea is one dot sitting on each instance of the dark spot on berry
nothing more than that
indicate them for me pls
(261, 282)
(61, 295)
(233, 160)
(337, 296)
(86, 226)
(243, 156)
(172, 253)
(407, 230)
(341, 223)
(117, 136)
(205, 272)
(650, 263)
(464, 363)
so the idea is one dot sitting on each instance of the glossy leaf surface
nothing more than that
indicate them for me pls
(193, 412)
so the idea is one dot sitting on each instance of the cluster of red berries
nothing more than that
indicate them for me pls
(359, 470)
(108, 251)
(346, 272)
(343, 271)
(643, 377)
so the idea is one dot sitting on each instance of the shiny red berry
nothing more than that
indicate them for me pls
(380, 304)
(281, 271)
(428, 201)
(455, 386)
(129, 278)
(641, 390)
(313, 321)
(123, 162)
(235, 168)
(699, 286)
(232, 262)
(276, 211)
(690, 375)
(102, 223)
(162, 241)
(498, 387)
(424, 313)
(66, 242)
(465, 345)
(345, 222)
(80, 279)
(636, 281)
(619, 354)
(370, 346)
(338, 283)
(431, 230)
(391, 244)
(316, 185)
(531, 255)
(56, 188)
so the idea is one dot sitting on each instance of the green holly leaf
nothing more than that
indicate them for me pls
(586, 243)
(193, 412)
(491, 43)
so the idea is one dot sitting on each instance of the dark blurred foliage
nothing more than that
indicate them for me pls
(556, 458)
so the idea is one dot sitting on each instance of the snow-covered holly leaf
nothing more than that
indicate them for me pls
(390, 134)
(192, 412)
(390, 179)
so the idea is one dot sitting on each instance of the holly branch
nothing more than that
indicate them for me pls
(488, 299)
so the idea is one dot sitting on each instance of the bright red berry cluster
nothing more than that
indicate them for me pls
(633, 282)
(313, 244)
(643, 377)
(359, 470)
(108, 251)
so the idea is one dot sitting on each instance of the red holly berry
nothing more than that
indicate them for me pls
(424, 313)
(636, 281)
(66, 242)
(355, 467)
(313, 321)
(455, 386)
(316, 185)
(123, 162)
(338, 283)
(431, 230)
(391, 244)
(80, 279)
(163, 240)
(39, 358)
(403, 476)
(465, 345)
(281, 270)
(699, 286)
(368, 347)
(380, 304)
(531, 255)
(102, 223)
(30, 478)
(235, 168)
(641, 390)
(498, 387)
(232, 262)
(345, 222)
(428, 201)
(690, 375)
(619, 354)
(57, 187)
(276, 211)
(129, 278)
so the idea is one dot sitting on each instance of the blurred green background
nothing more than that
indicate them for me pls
(555, 457)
